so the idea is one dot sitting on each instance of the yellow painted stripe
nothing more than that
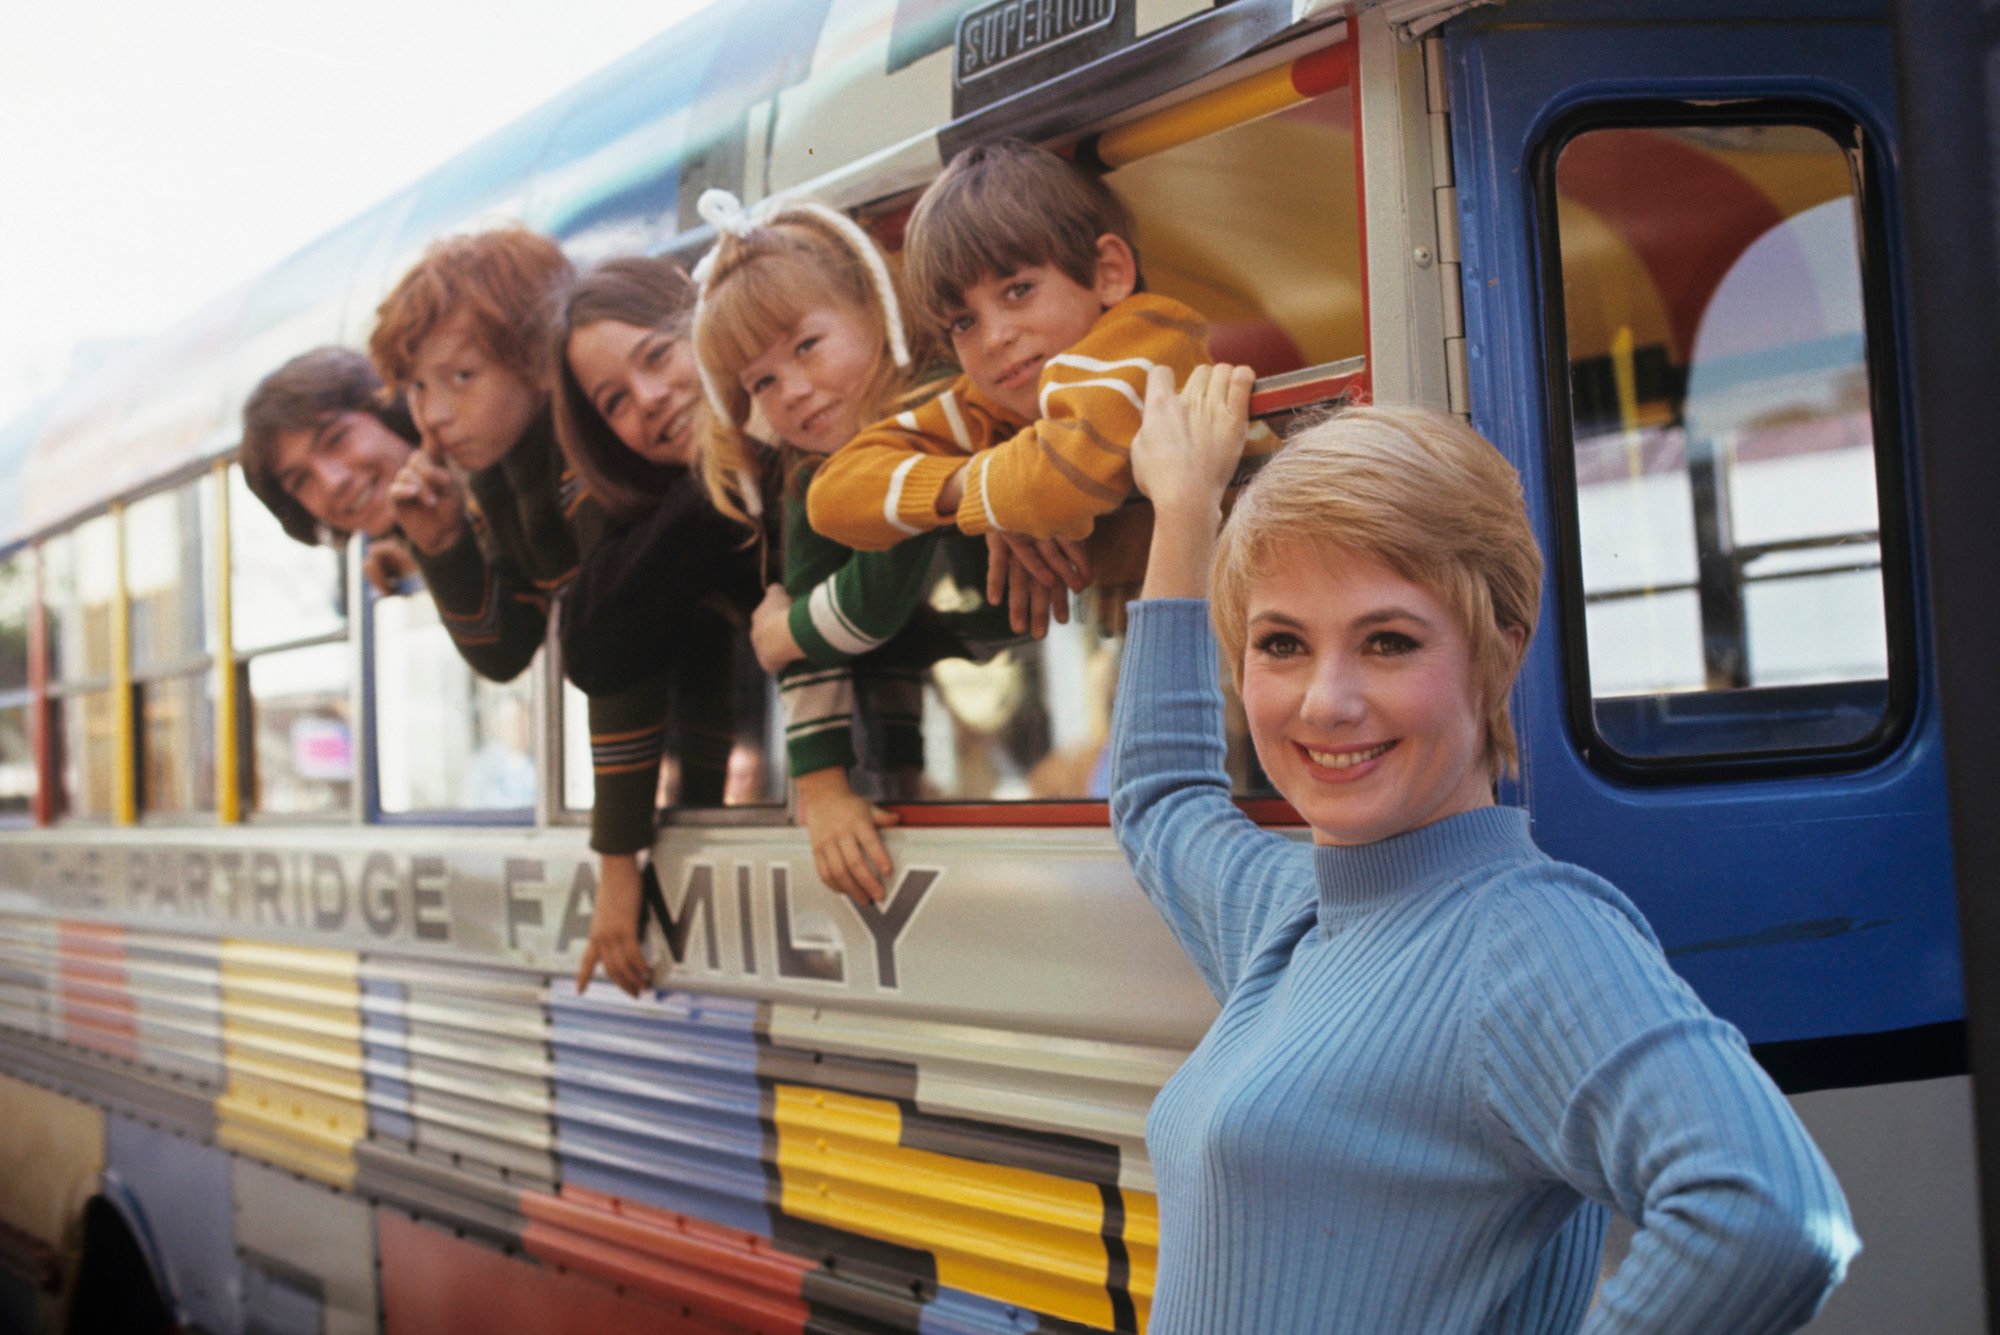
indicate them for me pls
(1142, 1247)
(291, 1043)
(1234, 104)
(228, 795)
(125, 758)
(1010, 1234)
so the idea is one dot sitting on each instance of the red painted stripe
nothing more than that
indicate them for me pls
(717, 1273)
(436, 1284)
(1266, 402)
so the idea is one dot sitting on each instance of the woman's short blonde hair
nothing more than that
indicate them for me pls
(1425, 495)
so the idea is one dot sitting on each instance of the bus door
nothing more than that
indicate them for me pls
(1683, 303)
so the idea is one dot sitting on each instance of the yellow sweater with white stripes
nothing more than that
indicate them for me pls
(1047, 478)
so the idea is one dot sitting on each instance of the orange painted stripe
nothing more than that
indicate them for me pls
(94, 989)
(717, 1273)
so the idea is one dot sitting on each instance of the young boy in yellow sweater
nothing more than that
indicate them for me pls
(1028, 263)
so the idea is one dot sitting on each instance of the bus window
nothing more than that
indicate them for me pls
(168, 576)
(1722, 442)
(1255, 227)
(446, 739)
(79, 590)
(17, 761)
(288, 613)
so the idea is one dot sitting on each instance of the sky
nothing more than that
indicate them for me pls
(152, 156)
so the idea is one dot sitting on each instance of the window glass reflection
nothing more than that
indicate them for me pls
(281, 591)
(166, 575)
(446, 739)
(1724, 449)
(301, 753)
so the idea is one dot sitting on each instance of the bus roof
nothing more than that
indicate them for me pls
(854, 104)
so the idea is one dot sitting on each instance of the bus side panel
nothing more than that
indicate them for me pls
(182, 1189)
(308, 1254)
(437, 1284)
(176, 987)
(50, 1162)
(1901, 1153)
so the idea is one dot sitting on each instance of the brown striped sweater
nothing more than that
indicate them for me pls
(1047, 478)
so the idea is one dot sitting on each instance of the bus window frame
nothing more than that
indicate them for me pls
(1873, 200)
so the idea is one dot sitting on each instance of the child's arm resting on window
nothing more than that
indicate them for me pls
(882, 486)
(1053, 478)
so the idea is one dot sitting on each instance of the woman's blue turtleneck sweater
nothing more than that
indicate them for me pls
(1433, 1052)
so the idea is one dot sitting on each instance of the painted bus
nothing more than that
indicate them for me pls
(291, 903)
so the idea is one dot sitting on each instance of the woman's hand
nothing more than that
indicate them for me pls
(430, 508)
(1033, 578)
(845, 830)
(771, 631)
(614, 927)
(1182, 459)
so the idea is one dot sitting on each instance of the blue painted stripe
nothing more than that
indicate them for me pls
(385, 1056)
(956, 1313)
(182, 1188)
(658, 1102)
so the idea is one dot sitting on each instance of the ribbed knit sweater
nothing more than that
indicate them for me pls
(1432, 1051)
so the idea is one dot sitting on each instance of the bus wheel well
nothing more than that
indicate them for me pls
(116, 1290)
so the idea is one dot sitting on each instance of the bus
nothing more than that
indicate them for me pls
(291, 903)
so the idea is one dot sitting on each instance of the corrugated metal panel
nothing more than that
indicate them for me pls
(97, 1009)
(436, 1284)
(657, 1100)
(385, 1059)
(27, 976)
(183, 1192)
(1075, 1087)
(305, 1250)
(712, 1274)
(1012, 1234)
(176, 988)
(470, 1045)
(292, 1045)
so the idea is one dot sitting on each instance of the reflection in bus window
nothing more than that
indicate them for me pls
(17, 763)
(288, 618)
(280, 591)
(1724, 448)
(177, 745)
(80, 582)
(168, 573)
(301, 753)
(445, 739)
(86, 737)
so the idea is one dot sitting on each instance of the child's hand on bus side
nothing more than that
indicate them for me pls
(430, 508)
(1033, 578)
(771, 636)
(1187, 449)
(845, 829)
(614, 927)
(388, 566)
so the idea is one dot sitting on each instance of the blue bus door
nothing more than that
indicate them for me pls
(1684, 324)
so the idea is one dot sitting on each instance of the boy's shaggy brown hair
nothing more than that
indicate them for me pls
(999, 208)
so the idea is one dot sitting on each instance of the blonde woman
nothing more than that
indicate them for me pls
(1441, 1055)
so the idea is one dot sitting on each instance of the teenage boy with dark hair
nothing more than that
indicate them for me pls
(330, 455)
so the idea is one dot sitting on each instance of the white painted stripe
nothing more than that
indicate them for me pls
(948, 402)
(833, 627)
(891, 505)
(1131, 395)
(985, 501)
